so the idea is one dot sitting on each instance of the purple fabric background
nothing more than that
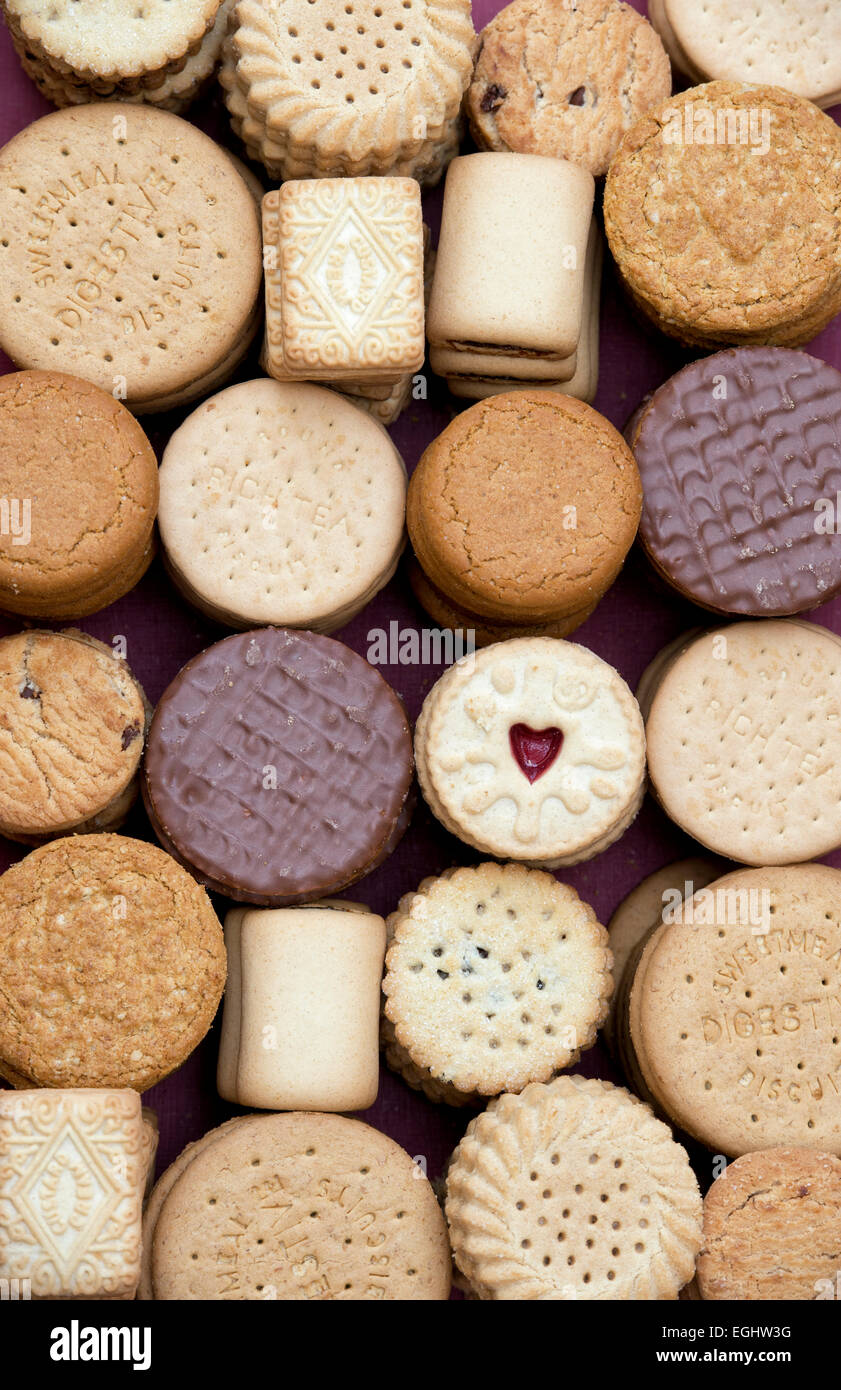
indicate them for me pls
(634, 620)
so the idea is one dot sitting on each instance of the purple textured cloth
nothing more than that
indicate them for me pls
(632, 622)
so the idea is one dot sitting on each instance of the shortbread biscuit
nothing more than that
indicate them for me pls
(125, 918)
(733, 1013)
(344, 279)
(511, 257)
(300, 1023)
(72, 1169)
(281, 504)
(111, 40)
(361, 96)
(772, 1228)
(510, 469)
(789, 43)
(130, 253)
(533, 751)
(645, 907)
(744, 741)
(572, 1190)
(80, 481)
(565, 81)
(496, 976)
(359, 1219)
(72, 727)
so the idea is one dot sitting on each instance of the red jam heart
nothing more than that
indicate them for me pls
(534, 750)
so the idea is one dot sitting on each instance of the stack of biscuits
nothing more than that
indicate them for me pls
(515, 298)
(345, 287)
(367, 89)
(159, 53)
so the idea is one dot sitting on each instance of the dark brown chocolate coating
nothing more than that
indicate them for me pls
(297, 709)
(734, 452)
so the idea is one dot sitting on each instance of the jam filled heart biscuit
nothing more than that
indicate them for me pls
(534, 750)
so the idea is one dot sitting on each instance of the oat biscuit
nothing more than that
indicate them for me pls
(362, 92)
(496, 976)
(772, 1227)
(572, 1190)
(281, 504)
(306, 981)
(344, 285)
(645, 907)
(533, 751)
(71, 1187)
(733, 1017)
(509, 279)
(388, 1243)
(789, 43)
(744, 741)
(72, 727)
(80, 480)
(125, 917)
(111, 40)
(565, 81)
(704, 254)
(512, 468)
(130, 252)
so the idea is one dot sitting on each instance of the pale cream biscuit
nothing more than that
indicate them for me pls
(151, 1138)
(359, 1219)
(572, 1190)
(584, 382)
(533, 751)
(146, 244)
(511, 256)
(744, 741)
(772, 1228)
(112, 40)
(370, 90)
(300, 1025)
(795, 44)
(645, 907)
(496, 976)
(733, 1011)
(344, 279)
(281, 504)
(72, 1169)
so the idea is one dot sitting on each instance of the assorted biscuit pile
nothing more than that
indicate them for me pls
(140, 261)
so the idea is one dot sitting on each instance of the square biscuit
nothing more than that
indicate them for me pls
(344, 262)
(511, 256)
(72, 1171)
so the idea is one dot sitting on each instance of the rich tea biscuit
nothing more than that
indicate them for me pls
(300, 1024)
(281, 504)
(704, 255)
(80, 481)
(733, 1017)
(123, 916)
(72, 727)
(533, 751)
(789, 43)
(572, 1190)
(565, 81)
(496, 976)
(147, 250)
(772, 1228)
(744, 741)
(321, 1163)
(72, 1168)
